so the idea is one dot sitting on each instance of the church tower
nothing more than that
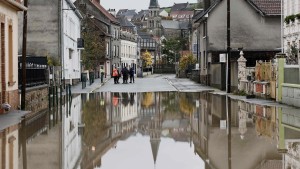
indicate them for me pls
(154, 20)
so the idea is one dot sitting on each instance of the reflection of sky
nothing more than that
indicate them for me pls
(135, 153)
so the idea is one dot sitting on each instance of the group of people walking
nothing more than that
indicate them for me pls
(125, 73)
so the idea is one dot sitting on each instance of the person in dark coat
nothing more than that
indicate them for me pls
(131, 74)
(125, 73)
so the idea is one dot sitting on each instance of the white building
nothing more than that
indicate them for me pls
(71, 54)
(72, 139)
(129, 51)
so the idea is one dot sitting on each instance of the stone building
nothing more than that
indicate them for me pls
(154, 20)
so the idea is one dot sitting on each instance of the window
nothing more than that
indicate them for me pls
(114, 50)
(204, 29)
(10, 56)
(118, 51)
(71, 53)
(107, 49)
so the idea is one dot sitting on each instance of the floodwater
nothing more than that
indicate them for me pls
(166, 130)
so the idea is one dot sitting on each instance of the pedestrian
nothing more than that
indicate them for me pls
(131, 74)
(101, 74)
(119, 75)
(115, 75)
(125, 73)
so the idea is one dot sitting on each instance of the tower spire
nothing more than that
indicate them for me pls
(153, 4)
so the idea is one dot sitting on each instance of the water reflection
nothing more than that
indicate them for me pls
(158, 130)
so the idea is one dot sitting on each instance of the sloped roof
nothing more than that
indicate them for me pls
(140, 14)
(124, 22)
(170, 24)
(105, 12)
(268, 7)
(179, 6)
(17, 5)
(264, 7)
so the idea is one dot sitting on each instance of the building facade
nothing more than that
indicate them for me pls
(154, 20)
(53, 30)
(291, 26)
(128, 49)
(259, 37)
(9, 53)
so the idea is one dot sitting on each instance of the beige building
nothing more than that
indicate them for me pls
(9, 52)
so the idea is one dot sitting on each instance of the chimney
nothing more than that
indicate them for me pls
(113, 12)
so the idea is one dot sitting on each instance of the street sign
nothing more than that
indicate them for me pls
(222, 57)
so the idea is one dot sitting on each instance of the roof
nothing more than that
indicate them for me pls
(105, 12)
(17, 5)
(179, 7)
(153, 4)
(124, 22)
(140, 15)
(264, 7)
(170, 24)
(268, 7)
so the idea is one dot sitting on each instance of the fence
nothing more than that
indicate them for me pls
(36, 71)
(164, 68)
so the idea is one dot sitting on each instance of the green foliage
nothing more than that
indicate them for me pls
(290, 18)
(186, 60)
(53, 61)
(171, 48)
(95, 46)
(240, 92)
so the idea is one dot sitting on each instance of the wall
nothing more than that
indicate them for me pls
(248, 28)
(43, 30)
(9, 16)
(291, 75)
(291, 94)
(37, 98)
(72, 27)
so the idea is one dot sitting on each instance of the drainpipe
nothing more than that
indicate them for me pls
(23, 89)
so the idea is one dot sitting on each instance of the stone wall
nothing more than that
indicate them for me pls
(37, 98)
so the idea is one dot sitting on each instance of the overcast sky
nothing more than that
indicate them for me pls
(138, 4)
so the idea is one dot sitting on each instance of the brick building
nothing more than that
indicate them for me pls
(9, 52)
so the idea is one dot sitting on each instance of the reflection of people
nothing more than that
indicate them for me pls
(125, 99)
(131, 98)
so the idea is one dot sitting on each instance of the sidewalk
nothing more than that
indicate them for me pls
(89, 88)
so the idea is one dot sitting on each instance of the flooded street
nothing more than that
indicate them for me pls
(160, 130)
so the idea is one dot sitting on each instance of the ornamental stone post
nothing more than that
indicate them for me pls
(241, 71)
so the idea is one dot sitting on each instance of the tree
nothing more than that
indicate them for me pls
(95, 45)
(147, 59)
(172, 47)
(186, 61)
(292, 54)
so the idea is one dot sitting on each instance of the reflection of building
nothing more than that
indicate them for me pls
(289, 136)
(217, 146)
(71, 136)
(9, 146)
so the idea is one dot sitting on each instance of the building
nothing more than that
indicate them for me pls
(291, 37)
(9, 52)
(181, 12)
(53, 32)
(259, 37)
(109, 29)
(128, 38)
(154, 20)
(127, 13)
